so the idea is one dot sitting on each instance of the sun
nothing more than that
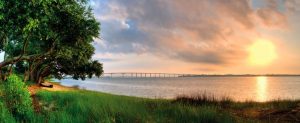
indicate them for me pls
(262, 53)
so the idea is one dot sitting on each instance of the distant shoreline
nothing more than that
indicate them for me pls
(168, 75)
(244, 75)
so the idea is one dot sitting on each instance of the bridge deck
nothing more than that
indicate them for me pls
(145, 75)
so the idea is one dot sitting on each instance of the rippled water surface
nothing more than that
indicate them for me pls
(237, 88)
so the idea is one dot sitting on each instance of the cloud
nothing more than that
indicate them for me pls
(196, 31)
(292, 5)
(271, 16)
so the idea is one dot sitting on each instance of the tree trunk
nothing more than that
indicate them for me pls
(26, 74)
(33, 70)
(38, 72)
(1, 78)
(10, 69)
(40, 80)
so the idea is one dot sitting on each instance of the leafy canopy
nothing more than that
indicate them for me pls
(49, 37)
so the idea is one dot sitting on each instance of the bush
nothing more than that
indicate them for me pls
(17, 98)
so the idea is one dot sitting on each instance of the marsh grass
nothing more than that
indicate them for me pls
(248, 111)
(274, 104)
(226, 102)
(79, 106)
(87, 106)
(204, 99)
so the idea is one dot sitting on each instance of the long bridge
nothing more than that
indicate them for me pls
(169, 75)
(145, 75)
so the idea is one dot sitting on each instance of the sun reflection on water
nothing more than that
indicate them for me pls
(261, 88)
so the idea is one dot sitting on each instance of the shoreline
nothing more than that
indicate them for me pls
(277, 110)
(33, 89)
(57, 86)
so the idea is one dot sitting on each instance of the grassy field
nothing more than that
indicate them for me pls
(80, 106)
(87, 106)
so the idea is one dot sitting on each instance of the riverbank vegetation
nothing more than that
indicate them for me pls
(75, 105)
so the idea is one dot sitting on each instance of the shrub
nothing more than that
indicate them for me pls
(17, 98)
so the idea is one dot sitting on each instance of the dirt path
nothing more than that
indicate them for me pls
(56, 87)
(33, 89)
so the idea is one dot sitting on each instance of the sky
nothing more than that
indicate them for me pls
(198, 36)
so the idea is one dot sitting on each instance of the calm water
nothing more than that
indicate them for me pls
(237, 88)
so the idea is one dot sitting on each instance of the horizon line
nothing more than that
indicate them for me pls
(269, 74)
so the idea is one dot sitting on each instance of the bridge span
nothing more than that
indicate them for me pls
(144, 75)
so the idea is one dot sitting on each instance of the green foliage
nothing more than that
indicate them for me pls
(5, 115)
(87, 106)
(1, 6)
(17, 98)
(53, 37)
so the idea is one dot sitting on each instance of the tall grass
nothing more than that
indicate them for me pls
(204, 99)
(86, 106)
(80, 106)
(5, 115)
(226, 102)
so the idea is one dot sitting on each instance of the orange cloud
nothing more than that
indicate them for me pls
(210, 32)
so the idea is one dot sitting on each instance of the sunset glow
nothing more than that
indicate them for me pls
(261, 85)
(262, 52)
(199, 36)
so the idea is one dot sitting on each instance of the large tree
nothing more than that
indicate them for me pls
(44, 38)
